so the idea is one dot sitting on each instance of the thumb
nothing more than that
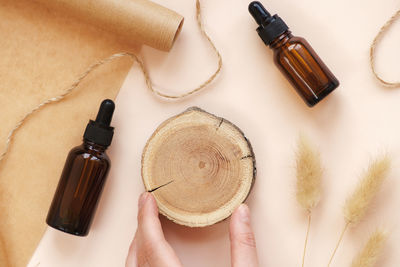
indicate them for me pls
(149, 247)
(243, 244)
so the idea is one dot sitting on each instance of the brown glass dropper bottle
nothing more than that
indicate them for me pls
(83, 177)
(295, 58)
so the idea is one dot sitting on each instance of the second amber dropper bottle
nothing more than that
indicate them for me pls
(82, 180)
(295, 58)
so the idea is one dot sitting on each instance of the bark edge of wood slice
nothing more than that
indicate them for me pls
(199, 167)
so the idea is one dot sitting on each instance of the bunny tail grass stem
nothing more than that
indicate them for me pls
(338, 243)
(309, 173)
(358, 203)
(371, 251)
(306, 241)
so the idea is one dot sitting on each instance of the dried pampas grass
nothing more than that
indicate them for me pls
(370, 253)
(309, 175)
(357, 204)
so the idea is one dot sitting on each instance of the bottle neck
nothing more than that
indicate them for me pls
(94, 147)
(281, 40)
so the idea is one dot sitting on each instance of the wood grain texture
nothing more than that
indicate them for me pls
(208, 159)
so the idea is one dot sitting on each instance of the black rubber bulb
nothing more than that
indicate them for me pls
(259, 13)
(105, 113)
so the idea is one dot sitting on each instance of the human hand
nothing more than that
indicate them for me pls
(150, 249)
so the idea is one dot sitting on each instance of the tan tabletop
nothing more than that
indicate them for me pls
(355, 123)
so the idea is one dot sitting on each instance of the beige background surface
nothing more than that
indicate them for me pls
(355, 123)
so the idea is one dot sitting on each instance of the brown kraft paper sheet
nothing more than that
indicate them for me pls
(42, 52)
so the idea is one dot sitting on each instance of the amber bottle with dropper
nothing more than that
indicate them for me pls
(82, 180)
(295, 58)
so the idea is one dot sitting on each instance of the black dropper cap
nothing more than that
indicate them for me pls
(99, 131)
(270, 27)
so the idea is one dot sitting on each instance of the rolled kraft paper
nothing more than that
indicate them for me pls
(138, 21)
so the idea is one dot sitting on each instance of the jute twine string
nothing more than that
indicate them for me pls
(375, 43)
(142, 67)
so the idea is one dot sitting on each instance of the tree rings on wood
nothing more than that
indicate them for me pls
(199, 167)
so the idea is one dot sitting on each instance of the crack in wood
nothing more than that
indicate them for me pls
(158, 187)
(220, 123)
(245, 157)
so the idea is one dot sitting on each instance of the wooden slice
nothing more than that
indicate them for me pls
(199, 167)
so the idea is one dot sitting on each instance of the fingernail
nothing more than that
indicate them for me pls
(244, 213)
(142, 199)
